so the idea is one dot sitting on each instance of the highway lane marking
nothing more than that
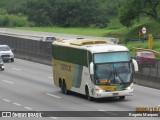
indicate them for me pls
(54, 118)
(17, 69)
(6, 81)
(108, 112)
(6, 100)
(17, 104)
(50, 77)
(101, 110)
(53, 95)
(28, 108)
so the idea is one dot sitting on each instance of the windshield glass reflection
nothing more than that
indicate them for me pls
(113, 73)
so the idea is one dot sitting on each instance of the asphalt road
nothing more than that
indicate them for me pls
(28, 86)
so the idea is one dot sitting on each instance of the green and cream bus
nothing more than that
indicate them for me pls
(93, 68)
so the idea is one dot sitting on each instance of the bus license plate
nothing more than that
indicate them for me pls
(115, 94)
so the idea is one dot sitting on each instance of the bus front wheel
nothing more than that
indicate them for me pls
(122, 97)
(87, 95)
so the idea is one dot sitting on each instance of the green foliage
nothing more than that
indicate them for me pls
(11, 6)
(66, 13)
(79, 13)
(133, 9)
(12, 21)
(38, 11)
(7, 18)
(3, 11)
(127, 16)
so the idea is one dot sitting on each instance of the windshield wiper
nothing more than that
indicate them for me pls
(116, 74)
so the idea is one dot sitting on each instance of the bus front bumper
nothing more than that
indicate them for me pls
(103, 94)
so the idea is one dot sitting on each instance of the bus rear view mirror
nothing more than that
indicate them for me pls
(135, 65)
(91, 68)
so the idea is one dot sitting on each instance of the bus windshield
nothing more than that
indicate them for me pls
(111, 57)
(113, 73)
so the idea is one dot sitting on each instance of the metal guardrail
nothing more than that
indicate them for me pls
(142, 49)
(142, 39)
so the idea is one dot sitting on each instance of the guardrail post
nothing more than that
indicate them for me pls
(157, 67)
(150, 41)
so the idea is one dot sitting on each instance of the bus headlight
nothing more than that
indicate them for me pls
(99, 90)
(129, 87)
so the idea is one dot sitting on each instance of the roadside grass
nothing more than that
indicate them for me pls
(137, 44)
(113, 26)
(114, 29)
(78, 31)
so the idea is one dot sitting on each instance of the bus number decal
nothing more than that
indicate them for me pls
(65, 67)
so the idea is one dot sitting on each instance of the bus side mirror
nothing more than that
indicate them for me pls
(135, 65)
(91, 68)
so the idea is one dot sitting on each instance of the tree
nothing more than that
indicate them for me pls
(133, 9)
(11, 6)
(79, 13)
(3, 11)
(65, 13)
(39, 11)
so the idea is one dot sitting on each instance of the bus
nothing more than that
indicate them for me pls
(94, 68)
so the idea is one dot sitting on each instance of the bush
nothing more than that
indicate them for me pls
(13, 21)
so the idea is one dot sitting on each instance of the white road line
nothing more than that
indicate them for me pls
(17, 69)
(6, 100)
(28, 108)
(50, 77)
(54, 118)
(53, 95)
(101, 110)
(8, 81)
(17, 104)
(108, 112)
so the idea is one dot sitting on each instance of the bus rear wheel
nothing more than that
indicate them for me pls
(64, 89)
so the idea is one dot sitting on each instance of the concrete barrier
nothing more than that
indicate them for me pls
(147, 80)
(39, 58)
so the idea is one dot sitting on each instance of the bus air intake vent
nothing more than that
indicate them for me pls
(88, 42)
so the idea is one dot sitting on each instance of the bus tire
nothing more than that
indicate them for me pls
(64, 88)
(12, 59)
(121, 97)
(60, 83)
(87, 95)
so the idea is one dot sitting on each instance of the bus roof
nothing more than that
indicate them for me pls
(94, 46)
